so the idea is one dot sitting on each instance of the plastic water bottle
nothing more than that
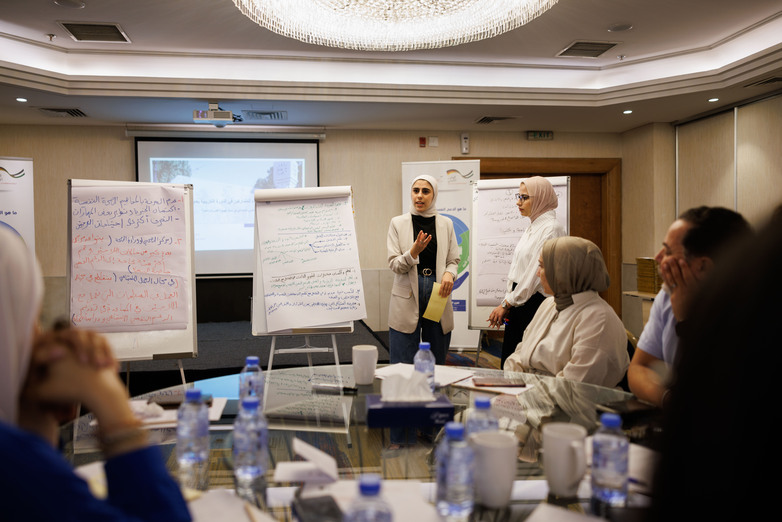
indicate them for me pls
(424, 362)
(370, 506)
(481, 418)
(609, 464)
(192, 441)
(251, 379)
(251, 442)
(455, 466)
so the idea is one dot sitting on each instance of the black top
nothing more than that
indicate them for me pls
(427, 258)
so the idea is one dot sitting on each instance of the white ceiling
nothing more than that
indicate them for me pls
(185, 52)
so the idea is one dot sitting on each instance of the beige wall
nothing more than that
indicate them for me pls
(648, 189)
(60, 153)
(370, 161)
(706, 162)
(734, 159)
(759, 159)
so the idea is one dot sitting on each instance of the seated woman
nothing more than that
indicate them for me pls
(574, 334)
(42, 377)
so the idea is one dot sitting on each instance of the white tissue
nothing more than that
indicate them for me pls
(396, 388)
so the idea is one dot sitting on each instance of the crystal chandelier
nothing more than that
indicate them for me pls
(391, 25)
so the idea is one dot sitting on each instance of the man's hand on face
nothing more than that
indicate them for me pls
(683, 282)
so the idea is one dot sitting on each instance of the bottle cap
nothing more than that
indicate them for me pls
(250, 403)
(369, 484)
(482, 402)
(454, 430)
(424, 346)
(611, 420)
(252, 360)
(193, 395)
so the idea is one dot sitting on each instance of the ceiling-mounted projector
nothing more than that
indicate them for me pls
(214, 115)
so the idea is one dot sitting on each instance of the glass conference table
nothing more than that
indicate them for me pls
(336, 424)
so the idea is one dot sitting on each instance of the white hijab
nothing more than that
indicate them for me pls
(21, 292)
(431, 210)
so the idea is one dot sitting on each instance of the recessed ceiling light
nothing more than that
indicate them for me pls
(618, 28)
(22, 100)
(628, 111)
(712, 100)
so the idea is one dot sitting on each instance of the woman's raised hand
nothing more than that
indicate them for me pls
(420, 244)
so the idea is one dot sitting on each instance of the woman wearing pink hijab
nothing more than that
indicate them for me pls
(524, 294)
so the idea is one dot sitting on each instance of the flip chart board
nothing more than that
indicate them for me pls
(130, 266)
(307, 273)
(497, 226)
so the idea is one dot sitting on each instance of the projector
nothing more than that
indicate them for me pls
(217, 117)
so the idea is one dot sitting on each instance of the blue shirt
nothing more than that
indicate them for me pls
(37, 483)
(659, 337)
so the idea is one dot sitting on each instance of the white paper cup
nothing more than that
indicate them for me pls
(364, 363)
(564, 461)
(496, 461)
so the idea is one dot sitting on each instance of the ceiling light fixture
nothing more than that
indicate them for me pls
(712, 100)
(628, 111)
(392, 25)
(22, 100)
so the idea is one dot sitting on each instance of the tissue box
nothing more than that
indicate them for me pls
(408, 414)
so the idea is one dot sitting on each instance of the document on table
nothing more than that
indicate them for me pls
(436, 306)
(443, 375)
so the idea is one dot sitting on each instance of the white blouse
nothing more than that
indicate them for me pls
(585, 342)
(524, 267)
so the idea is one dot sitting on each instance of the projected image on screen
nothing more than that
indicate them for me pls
(224, 176)
(223, 204)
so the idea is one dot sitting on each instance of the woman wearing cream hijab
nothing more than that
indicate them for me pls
(42, 377)
(574, 334)
(422, 250)
(524, 294)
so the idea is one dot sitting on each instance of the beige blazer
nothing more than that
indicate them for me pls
(403, 311)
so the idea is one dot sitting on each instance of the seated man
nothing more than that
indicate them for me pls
(692, 245)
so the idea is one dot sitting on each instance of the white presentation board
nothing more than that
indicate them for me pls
(130, 266)
(307, 272)
(497, 226)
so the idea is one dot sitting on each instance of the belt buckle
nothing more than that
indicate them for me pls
(426, 272)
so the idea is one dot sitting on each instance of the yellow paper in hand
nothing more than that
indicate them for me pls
(436, 306)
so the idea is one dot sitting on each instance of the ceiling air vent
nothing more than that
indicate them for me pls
(485, 120)
(54, 112)
(765, 81)
(95, 32)
(266, 115)
(587, 49)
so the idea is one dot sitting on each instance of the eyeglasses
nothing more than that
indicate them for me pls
(523, 197)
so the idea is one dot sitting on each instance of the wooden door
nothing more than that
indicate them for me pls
(595, 203)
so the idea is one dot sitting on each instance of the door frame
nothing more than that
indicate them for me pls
(610, 172)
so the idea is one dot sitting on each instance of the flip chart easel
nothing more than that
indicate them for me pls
(307, 277)
(130, 266)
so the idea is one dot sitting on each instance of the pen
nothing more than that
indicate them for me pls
(333, 388)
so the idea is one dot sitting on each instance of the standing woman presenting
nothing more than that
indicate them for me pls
(537, 201)
(422, 249)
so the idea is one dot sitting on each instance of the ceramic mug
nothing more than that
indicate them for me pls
(564, 460)
(496, 460)
(364, 363)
